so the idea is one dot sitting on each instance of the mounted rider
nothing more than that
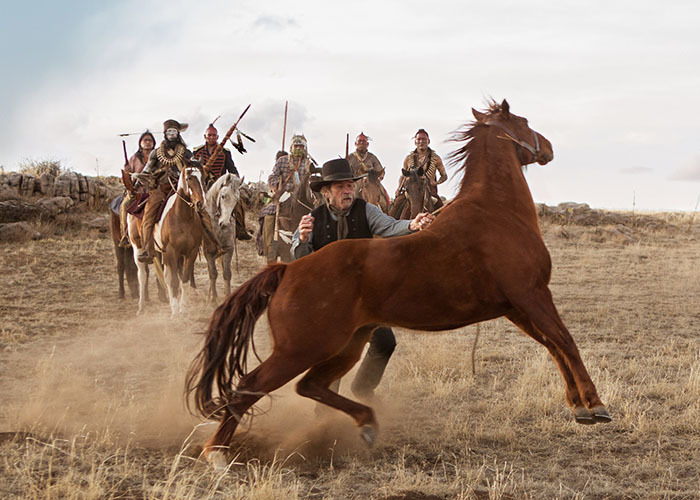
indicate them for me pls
(221, 164)
(423, 156)
(163, 171)
(362, 161)
(285, 177)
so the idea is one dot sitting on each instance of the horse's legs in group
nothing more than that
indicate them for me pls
(188, 273)
(573, 398)
(121, 267)
(172, 280)
(539, 309)
(143, 280)
(213, 274)
(226, 271)
(131, 272)
(315, 384)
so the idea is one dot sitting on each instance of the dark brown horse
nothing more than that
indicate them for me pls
(482, 258)
(126, 268)
(417, 197)
(301, 201)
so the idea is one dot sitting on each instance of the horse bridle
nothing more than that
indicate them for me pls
(535, 151)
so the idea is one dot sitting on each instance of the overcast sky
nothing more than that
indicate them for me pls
(615, 86)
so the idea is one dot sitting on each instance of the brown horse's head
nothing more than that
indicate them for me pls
(533, 146)
(190, 185)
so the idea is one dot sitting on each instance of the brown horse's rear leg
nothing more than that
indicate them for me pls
(271, 374)
(573, 398)
(315, 384)
(540, 311)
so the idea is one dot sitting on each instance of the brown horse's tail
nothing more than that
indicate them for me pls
(228, 338)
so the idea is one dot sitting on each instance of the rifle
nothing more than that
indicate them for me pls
(126, 179)
(347, 145)
(220, 146)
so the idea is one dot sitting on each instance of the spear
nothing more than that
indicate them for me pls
(220, 146)
(284, 128)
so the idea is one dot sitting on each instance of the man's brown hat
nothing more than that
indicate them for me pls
(174, 124)
(333, 171)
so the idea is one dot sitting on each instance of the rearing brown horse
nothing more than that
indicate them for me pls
(482, 258)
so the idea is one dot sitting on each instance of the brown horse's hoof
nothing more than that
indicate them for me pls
(601, 415)
(217, 459)
(583, 416)
(368, 435)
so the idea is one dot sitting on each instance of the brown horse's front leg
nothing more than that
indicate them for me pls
(539, 310)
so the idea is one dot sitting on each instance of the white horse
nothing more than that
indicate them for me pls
(221, 200)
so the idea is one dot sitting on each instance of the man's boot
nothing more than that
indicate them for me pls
(209, 234)
(381, 347)
(239, 217)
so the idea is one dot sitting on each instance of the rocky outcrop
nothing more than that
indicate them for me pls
(88, 192)
(581, 214)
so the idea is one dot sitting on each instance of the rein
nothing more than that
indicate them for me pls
(511, 136)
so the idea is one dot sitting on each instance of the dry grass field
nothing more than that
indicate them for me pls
(91, 402)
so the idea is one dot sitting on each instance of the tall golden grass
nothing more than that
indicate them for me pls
(92, 396)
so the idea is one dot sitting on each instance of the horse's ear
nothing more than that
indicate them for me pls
(406, 173)
(505, 108)
(420, 171)
(480, 117)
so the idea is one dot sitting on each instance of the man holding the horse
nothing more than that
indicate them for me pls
(344, 216)
(222, 163)
(162, 171)
(285, 176)
(423, 156)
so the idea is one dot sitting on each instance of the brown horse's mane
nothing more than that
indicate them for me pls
(461, 157)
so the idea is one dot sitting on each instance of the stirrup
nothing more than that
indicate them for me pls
(124, 242)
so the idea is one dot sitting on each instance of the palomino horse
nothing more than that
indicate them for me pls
(179, 235)
(221, 199)
(483, 257)
(372, 191)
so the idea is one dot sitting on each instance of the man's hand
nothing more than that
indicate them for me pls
(306, 225)
(421, 221)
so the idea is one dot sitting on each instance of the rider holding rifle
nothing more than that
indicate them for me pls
(222, 163)
(134, 165)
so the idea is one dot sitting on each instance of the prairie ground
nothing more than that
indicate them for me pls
(92, 404)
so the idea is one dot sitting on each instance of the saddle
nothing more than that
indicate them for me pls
(115, 204)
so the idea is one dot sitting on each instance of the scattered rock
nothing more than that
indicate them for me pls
(18, 232)
(56, 205)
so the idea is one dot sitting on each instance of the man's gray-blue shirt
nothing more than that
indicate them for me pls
(379, 223)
